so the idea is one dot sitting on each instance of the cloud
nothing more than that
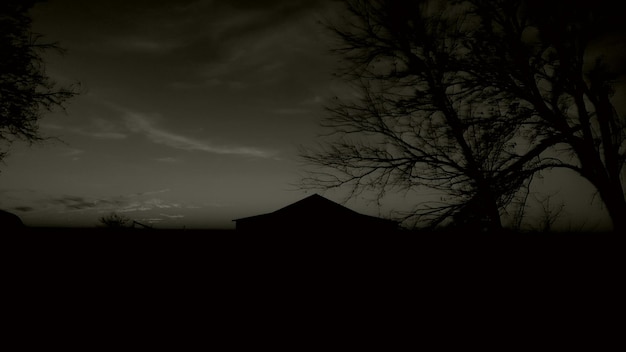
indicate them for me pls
(26, 201)
(151, 192)
(139, 123)
(123, 204)
(178, 216)
(145, 205)
(106, 135)
(168, 159)
(24, 208)
(252, 42)
(290, 111)
(179, 28)
(143, 45)
(150, 220)
(99, 129)
(73, 203)
(73, 153)
(242, 17)
(315, 100)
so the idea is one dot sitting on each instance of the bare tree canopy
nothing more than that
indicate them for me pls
(469, 98)
(115, 221)
(542, 52)
(26, 91)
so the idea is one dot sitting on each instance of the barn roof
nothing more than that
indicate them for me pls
(313, 206)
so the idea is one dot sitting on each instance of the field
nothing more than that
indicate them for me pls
(199, 255)
(460, 233)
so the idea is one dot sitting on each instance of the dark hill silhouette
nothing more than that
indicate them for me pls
(314, 214)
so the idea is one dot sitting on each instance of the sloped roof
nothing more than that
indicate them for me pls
(313, 206)
(10, 220)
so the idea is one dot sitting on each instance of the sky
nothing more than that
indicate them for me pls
(190, 115)
(190, 112)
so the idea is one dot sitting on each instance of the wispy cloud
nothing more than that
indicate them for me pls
(126, 203)
(149, 204)
(290, 111)
(165, 190)
(140, 123)
(150, 220)
(24, 208)
(177, 216)
(68, 203)
(121, 204)
(168, 159)
(145, 45)
(73, 153)
(100, 129)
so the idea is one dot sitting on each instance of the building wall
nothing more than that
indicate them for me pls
(353, 225)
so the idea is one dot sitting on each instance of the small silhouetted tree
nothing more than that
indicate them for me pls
(550, 212)
(26, 91)
(116, 221)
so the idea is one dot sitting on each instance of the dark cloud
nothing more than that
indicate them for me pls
(200, 24)
(124, 203)
(24, 208)
(73, 202)
(212, 76)
(268, 13)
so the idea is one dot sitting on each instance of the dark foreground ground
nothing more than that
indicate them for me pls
(308, 274)
(302, 245)
(105, 231)
(331, 233)
(207, 287)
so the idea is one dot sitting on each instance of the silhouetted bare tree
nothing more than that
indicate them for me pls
(422, 119)
(470, 98)
(541, 53)
(550, 212)
(26, 91)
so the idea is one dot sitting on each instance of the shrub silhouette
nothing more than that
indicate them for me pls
(115, 221)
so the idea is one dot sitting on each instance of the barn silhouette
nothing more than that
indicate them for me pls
(314, 214)
(10, 221)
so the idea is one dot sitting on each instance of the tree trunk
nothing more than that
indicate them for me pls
(491, 211)
(609, 188)
(612, 195)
